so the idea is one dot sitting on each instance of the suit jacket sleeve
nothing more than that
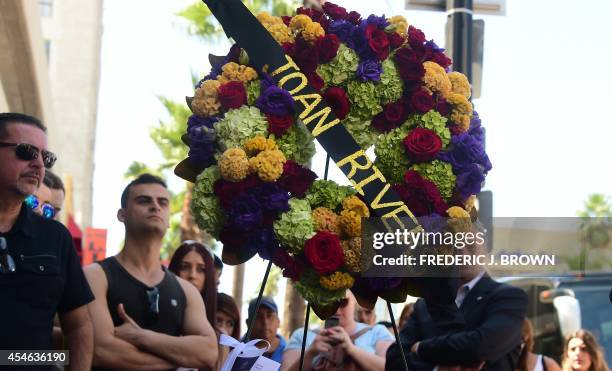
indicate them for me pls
(498, 334)
(409, 335)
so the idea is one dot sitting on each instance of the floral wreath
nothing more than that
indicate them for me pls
(390, 87)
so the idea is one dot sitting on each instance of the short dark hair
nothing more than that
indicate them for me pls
(7, 118)
(142, 179)
(53, 181)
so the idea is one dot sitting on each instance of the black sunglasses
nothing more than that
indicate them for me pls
(29, 152)
(153, 298)
(7, 264)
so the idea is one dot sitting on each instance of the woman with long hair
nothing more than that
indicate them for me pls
(528, 361)
(193, 262)
(582, 352)
(228, 316)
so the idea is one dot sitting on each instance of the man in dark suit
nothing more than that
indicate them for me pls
(479, 330)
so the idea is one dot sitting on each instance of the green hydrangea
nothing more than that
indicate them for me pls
(327, 193)
(391, 85)
(311, 290)
(297, 144)
(253, 89)
(364, 99)
(240, 124)
(341, 68)
(361, 130)
(432, 120)
(295, 226)
(205, 206)
(391, 157)
(439, 172)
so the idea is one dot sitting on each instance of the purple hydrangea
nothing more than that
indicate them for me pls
(369, 70)
(274, 200)
(380, 22)
(275, 101)
(466, 150)
(201, 145)
(245, 213)
(197, 121)
(476, 130)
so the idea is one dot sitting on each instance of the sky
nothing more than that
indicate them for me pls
(544, 103)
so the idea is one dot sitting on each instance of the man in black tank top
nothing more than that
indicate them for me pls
(144, 316)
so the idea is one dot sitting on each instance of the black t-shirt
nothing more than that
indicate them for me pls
(48, 279)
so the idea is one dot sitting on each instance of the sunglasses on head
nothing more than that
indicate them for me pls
(32, 202)
(7, 264)
(29, 152)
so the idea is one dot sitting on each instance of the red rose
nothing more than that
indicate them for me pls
(334, 11)
(296, 179)
(455, 129)
(354, 17)
(396, 40)
(278, 125)
(443, 107)
(327, 47)
(307, 58)
(412, 71)
(422, 145)
(315, 81)
(286, 19)
(395, 113)
(416, 37)
(405, 55)
(338, 101)
(229, 191)
(324, 252)
(421, 101)
(378, 41)
(315, 15)
(381, 124)
(232, 95)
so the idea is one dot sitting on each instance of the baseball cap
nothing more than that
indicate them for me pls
(266, 301)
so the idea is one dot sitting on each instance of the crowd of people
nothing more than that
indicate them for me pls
(129, 311)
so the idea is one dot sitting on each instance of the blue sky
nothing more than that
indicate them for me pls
(545, 99)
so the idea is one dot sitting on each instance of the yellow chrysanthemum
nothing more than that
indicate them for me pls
(436, 79)
(350, 223)
(234, 165)
(353, 203)
(400, 23)
(462, 110)
(265, 18)
(206, 100)
(299, 22)
(281, 33)
(233, 71)
(352, 253)
(312, 32)
(268, 165)
(470, 203)
(459, 219)
(257, 144)
(326, 220)
(337, 281)
(460, 84)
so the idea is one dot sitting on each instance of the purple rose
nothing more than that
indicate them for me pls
(470, 180)
(342, 29)
(245, 213)
(369, 70)
(275, 101)
(466, 150)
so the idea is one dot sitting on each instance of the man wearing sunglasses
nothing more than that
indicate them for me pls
(39, 269)
(144, 316)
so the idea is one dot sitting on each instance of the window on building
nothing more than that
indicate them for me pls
(46, 7)
(47, 49)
